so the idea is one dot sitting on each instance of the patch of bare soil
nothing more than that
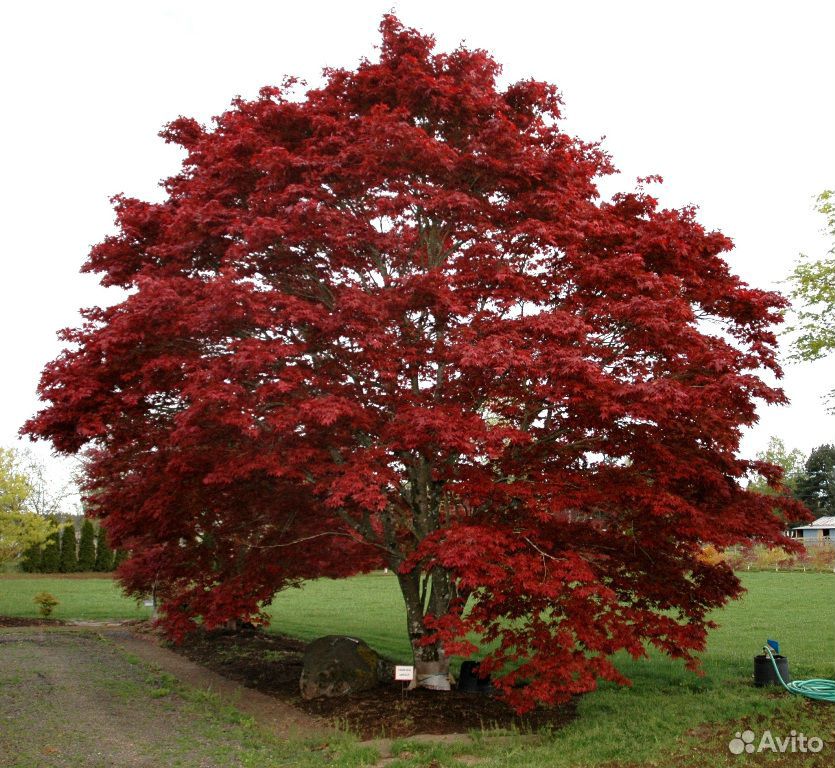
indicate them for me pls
(273, 664)
(11, 621)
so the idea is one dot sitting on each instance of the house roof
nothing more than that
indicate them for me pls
(821, 522)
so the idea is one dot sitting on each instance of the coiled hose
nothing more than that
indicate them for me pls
(817, 688)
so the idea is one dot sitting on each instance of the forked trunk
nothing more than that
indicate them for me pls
(421, 596)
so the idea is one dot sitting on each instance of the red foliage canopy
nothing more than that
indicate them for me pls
(392, 322)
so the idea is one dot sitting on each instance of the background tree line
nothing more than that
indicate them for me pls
(809, 479)
(75, 545)
(34, 532)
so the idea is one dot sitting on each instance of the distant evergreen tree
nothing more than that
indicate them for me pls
(816, 488)
(32, 560)
(51, 559)
(119, 557)
(104, 555)
(69, 550)
(87, 547)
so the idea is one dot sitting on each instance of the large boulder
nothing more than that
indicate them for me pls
(337, 665)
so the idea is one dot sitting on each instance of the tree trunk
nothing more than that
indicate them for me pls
(431, 663)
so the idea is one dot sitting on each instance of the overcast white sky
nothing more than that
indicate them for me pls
(731, 102)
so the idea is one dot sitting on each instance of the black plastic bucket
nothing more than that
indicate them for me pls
(470, 682)
(764, 670)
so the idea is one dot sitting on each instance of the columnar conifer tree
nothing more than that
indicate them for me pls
(87, 547)
(32, 560)
(51, 559)
(391, 322)
(69, 549)
(104, 555)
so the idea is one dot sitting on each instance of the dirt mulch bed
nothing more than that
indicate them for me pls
(272, 664)
(13, 621)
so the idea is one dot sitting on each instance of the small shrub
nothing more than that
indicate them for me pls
(710, 555)
(770, 559)
(45, 602)
(736, 558)
(822, 557)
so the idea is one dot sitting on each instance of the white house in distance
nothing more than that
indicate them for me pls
(823, 529)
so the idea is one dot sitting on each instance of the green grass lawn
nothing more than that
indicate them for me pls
(668, 717)
(642, 723)
(81, 597)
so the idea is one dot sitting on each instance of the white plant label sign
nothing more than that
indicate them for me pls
(407, 674)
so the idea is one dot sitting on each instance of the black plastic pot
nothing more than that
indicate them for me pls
(470, 682)
(764, 670)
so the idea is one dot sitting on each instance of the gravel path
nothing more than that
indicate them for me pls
(73, 698)
(279, 718)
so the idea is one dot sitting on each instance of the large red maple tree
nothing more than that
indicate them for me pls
(391, 322)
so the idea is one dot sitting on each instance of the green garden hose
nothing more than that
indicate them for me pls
(817, 688)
